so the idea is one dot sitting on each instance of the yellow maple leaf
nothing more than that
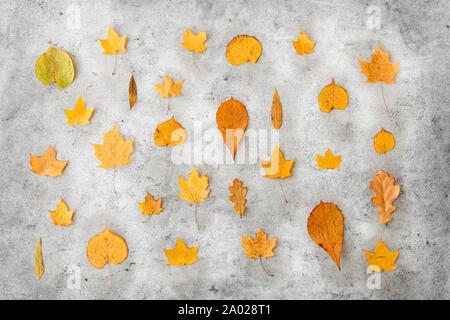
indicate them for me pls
(259, 247)
(62, 216)
(169, 133)
(169, 88)
(181, 255)
(381, 259)
(303, 45)
(379, 68)
(151, 206)
(277, 166)
(242, 49)
(333, 97)
(38, 261)
(194, 42)
(383, 141)
(113, 44)
(329, 161)
(79, 115)
(114, 152)
(47, 165)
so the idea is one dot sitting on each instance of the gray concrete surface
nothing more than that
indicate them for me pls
(32, 117)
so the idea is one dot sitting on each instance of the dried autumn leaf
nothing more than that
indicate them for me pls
(303, 45)
(132, 92)
(326, 228)
(383, 141)
(55, 66)
(181, 255)
(47, 165)
(333, 97)
(277, 166)
(79, 115)
(385, 194)
(242, 49)
(38, 261)
(169, 88)
(329, 161)
(379, 68)
(113, 44)
(259, 247)
(381, 259)
(62, 216)
(169, 133)
(276, 111)
(151, 206)
(232, 119)
(106, 247)
(238, 194)
(114, 152)
(194, 42)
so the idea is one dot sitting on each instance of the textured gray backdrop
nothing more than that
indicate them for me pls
(32, 117)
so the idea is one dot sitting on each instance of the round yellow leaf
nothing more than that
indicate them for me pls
(333, 96)
(242, 49)
(384, 141)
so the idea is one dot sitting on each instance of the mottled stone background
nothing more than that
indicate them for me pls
(32, 117)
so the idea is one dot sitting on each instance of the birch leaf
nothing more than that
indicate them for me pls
(333, 97)
(383, 141)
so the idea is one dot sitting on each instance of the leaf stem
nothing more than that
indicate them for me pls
(76, 136)
(147, 219)
(260, 261)
(195, 215)
(115, 64)
(193, 60)
(282, 190)
(307, 62)
(384, 100)
(114, 180)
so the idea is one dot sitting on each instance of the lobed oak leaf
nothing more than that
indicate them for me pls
(151, 206)
(114, 152)
(385, 193)
(62, 216)
(277, 166)
(106, 247)
(303, 45)
(113, 44)
(379, 68)
(47, 165)
(238, 194)
(381, 259)
(242, 49)
(383, 141)
(169, 133)
(329, 161)
(79, 115)
(276, 111)
(333, 97)
(38, 261)
(194, 42)
(169, 88)
(55, 66)
(181, 255)
(132, 92)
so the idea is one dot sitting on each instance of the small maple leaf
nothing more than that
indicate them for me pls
(79, 115)
(113, 44)
(238, 194)
(38, 261)
(106, 247)
(333, 97)
(169, 88)
(181, 255)
(47, 165)
(242, 49)
(194, 42)
(303, 45)
(169, 133)
(381, 259)
(151, 206)
(277, 166)
(276, 112)
(379, 68)
(132, 92)
(259, 247)
(383, 141)
(385, 193)
(114, 152)
(329, 161)
(62, 216)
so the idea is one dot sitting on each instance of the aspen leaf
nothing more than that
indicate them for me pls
(55, 66)
(333, 97)
(326, 228)
(79, 115)
(181, 255)
(151, 206)
(379, 68)
(132, 92)
(47, 165)
(113, 44)
(259, 247)
(242, 49)
(106, 247)
(303, 45)
(385, 193)
(276, 111)
(114, 152)
(277, 166)
(38, 261)
(238, 194)
(62, 216)
(169, 88)
(381, 259)
(169, 133)
(232, 119)
(194, 42)
(383, 141)
(329, 161)
(194, 190)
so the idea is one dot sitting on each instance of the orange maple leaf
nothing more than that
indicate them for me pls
(47, 165)
(379, 68)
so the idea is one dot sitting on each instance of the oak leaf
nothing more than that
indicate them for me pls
(113, 44)
(194, 42)
(383, 141)
(181, 255)
(329, 161)
(169, 88)
(326, 228)
(259, 247)
(38, 261)
(232, 119)
(55, 66)
(333, 97)
(276, 111)
(132, 92)
(169, 133)
(106, 247)
(114, 152)
(277, 166)
(385, 194)
(381, 259)
(62, 216)
(379, 68)
(151, 206)
(238, 194)
(242, 49)
(79, 115)
(303, 45)
(47, 165)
